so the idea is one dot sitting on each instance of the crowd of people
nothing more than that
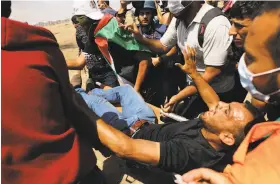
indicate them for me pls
(197, 59)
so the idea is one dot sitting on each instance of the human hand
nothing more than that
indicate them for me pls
(156, 61)
(190, 62)
(204, 176)
(132, 28)
(169, 107)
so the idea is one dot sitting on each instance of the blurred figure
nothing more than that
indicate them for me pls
(48, 132)
(105, 8)
(260, 71)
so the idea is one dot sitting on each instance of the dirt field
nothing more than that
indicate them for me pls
(114, 169)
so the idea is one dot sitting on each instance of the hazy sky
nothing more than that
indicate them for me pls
(41, 11)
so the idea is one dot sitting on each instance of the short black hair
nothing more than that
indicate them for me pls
(274, 41)
(74, 19)
(245, 9)
(6, 8)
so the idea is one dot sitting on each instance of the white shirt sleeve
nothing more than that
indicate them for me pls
(169, 39)
(216, 42)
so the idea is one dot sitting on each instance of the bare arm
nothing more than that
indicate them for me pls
(163, 58)
(259, 104)
(206, 92)
(159, 14)
(77, 64)
(127, 147)
(202, 86)
(154, 45)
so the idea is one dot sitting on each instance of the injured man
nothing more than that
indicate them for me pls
(206, 141)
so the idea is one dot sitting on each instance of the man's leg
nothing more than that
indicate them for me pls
(132, 103)
(102, 108)
(97, 104)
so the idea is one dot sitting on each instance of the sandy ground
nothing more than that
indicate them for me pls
(114, 168)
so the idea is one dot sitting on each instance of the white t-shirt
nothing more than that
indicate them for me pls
(215, 46)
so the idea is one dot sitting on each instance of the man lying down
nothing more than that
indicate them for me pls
(175, 147)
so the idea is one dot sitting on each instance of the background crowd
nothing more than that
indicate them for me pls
(196, 59)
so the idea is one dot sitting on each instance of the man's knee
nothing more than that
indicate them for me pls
(127, 88)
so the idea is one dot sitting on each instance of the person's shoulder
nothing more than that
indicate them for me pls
(219, 21)
(160, 27)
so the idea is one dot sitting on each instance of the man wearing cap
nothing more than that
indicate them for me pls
(99, 69)
(211, 56)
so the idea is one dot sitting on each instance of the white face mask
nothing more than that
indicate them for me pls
(246, 79)
(176, 7)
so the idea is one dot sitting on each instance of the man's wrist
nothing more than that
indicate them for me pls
(194, 75)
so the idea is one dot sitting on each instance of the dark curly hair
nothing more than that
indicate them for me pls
(245, 9)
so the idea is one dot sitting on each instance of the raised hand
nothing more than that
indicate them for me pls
(190, 63)
(204, 176)
(132, 28)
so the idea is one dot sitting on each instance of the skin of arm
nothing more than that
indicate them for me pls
(206, 92)
(207, 76)
(156, 61)
(259, 104)
(126, 147)
(204, 175)
(159, 14)
(154, 45)
(77, 64)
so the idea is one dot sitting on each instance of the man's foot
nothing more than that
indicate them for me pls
(76, 81)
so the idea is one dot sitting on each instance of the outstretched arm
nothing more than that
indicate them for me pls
(206, 92)
(154, 45)
(136, 149)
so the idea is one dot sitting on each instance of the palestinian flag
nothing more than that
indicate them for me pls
(108, 30)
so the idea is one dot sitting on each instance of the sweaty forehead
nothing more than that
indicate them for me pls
(240, 112)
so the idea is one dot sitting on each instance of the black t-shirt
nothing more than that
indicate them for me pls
(95, 61)
(182, 146)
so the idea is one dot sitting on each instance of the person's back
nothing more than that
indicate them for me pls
(39, 144)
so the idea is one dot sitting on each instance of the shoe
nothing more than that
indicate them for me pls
(76, 81)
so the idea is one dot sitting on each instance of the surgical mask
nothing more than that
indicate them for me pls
(176, 7)
(246, 79)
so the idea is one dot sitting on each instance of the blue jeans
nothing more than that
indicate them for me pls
(134, 108)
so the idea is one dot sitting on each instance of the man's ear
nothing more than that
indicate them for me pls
(227, 138)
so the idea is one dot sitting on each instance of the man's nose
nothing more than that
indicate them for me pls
(232, 30)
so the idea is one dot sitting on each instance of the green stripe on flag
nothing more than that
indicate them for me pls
(114, 34)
